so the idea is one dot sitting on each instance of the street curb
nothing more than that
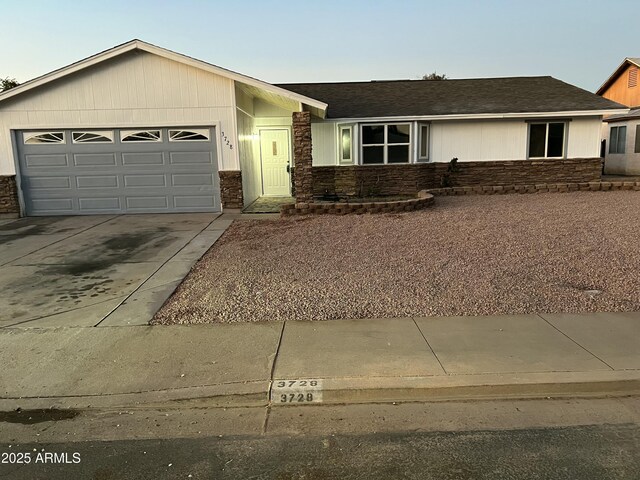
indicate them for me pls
(361, 390)
(479, 387)
(245, 394)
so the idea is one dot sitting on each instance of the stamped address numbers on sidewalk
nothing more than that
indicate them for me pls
(293, 392)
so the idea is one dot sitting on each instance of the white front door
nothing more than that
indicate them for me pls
(274, 151)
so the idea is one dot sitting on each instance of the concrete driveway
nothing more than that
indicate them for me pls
(97, 270)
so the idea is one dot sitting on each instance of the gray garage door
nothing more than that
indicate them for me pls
(92, 171)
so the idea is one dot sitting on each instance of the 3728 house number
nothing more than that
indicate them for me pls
(296, 391)
(226, 140)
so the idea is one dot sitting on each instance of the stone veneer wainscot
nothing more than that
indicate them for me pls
(231, 189)
(409, 179)
(9, 204)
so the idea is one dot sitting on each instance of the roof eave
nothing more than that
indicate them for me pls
(485, 116)
(69, 69)
(147, 47)
(615, 75)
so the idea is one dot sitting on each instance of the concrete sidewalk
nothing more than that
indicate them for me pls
(347, 361)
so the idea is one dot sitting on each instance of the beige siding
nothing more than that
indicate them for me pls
(265, 109)
(135, 89)
(249, 151)
(584, 137)
(474, 140)
(324, 143)
(479, 140)
(244, 101)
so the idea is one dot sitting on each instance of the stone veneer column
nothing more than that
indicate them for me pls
(9, 196)
(302, 160)
(231, 188)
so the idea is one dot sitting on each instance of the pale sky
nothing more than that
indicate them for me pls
(580, 42)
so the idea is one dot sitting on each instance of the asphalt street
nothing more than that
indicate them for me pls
(574, 453)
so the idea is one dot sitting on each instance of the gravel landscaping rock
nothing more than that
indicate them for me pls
(476, 255)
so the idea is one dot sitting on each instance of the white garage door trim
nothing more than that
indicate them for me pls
(91, 177)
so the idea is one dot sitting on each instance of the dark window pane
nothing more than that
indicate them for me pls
(398, 133)
(346, 144)
(537, 135)
(622, 139)
(424, 138)
(613, 139)
(555, 145)
(372, 134)
(372, 155)
(637, 149)
(398, 154)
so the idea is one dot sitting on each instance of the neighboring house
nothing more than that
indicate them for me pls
(622, 132)
(138, 128)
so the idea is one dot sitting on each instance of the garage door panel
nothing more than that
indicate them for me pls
(51, 205)
(191, 158)
(119, 177)
(136, 159)
(190, 180)
(97, 181)
(145, 180)
(193, 201)
(95, 160)
(36, 161)
(145, 203)
(89, 204)
(45, 183)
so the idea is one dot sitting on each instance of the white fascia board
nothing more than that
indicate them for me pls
(163, 52)
(483, 116)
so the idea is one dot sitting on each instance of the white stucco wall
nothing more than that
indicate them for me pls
(136, 89)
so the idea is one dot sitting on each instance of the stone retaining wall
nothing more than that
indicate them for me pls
(409, 179)
(322, 208)
(426, 197)
(231, 189)
(538, 188)
(9, 204)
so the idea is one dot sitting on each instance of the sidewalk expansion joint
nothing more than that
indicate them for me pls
(430, 347)
(581, 346)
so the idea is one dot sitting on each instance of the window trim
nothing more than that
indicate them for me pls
(108, 134)
(126, 133)
(611, 144)
(26, 136)
(637, 140)
(341, 159)
(420, 137)
(565, 136)
(196, 131)
(386, 144)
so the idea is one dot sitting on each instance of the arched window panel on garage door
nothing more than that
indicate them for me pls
(191, 135)
(34, 138)
(92, 137)
(140, 136)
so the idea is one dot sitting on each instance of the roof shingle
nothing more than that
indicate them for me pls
(446, 97)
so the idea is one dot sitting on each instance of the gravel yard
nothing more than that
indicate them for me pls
(475, 255)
